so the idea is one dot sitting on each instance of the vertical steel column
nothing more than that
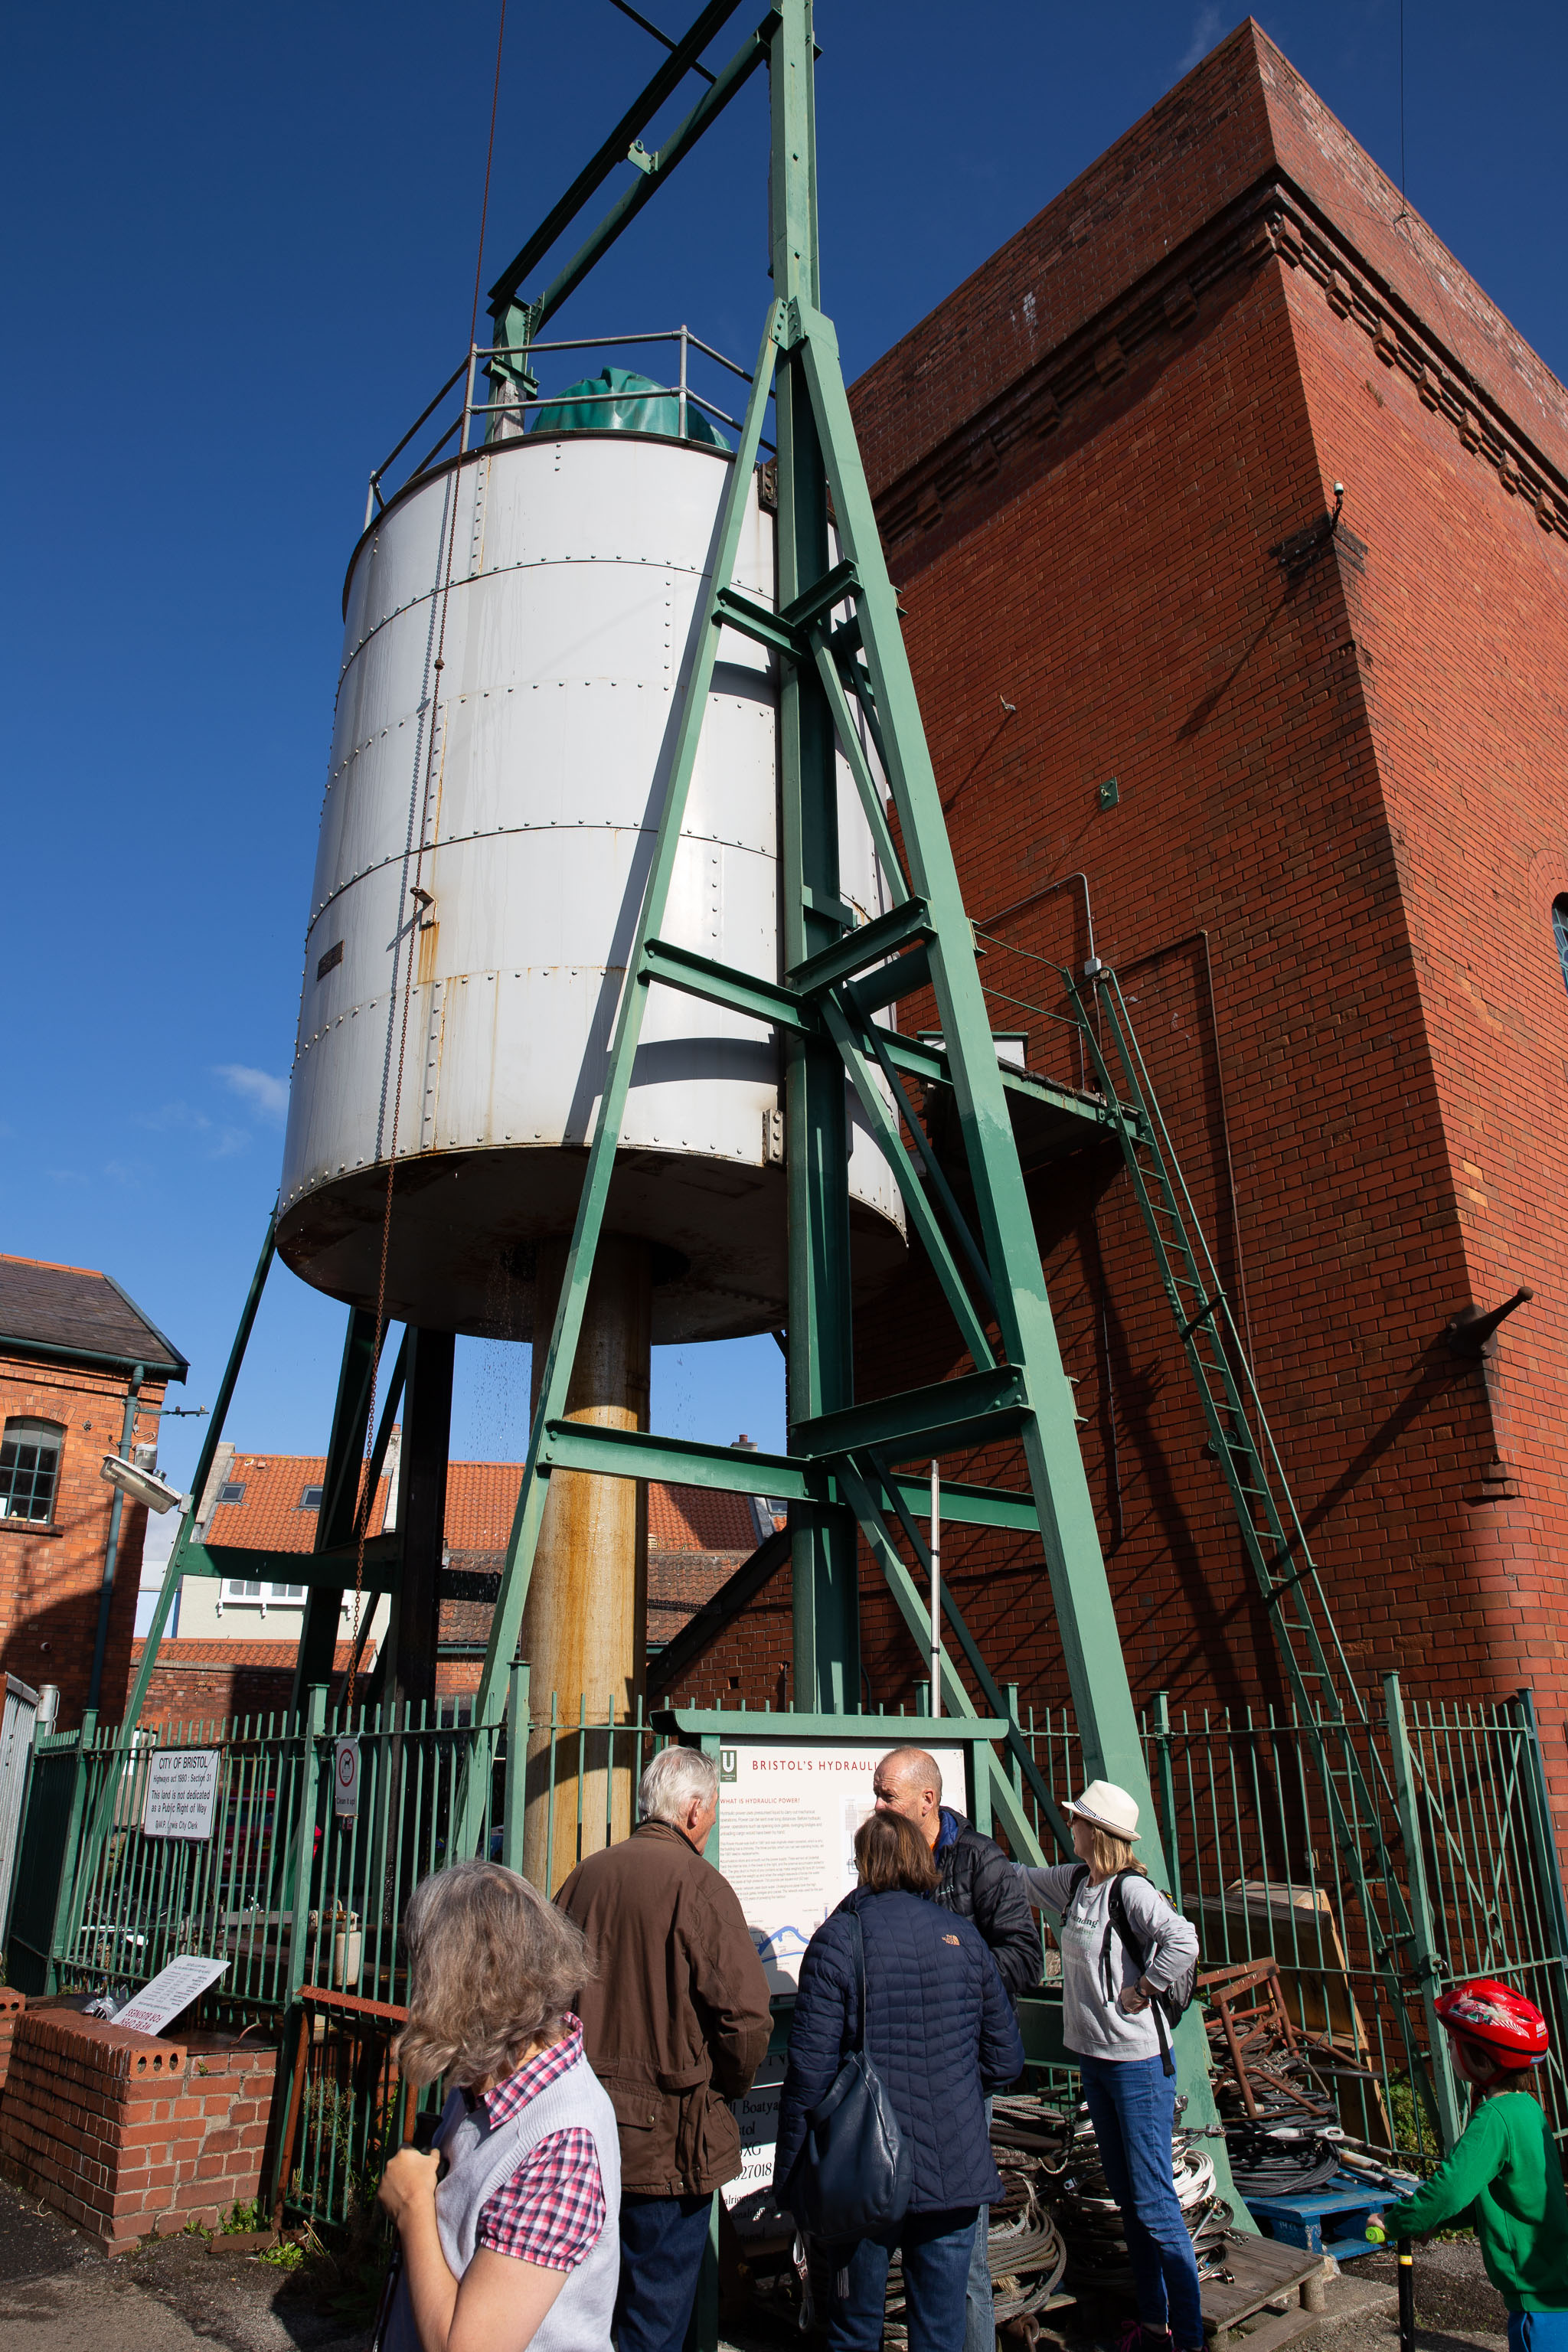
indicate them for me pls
(340, 1494)
(414, 1625)
(1423, 1941)
(111, 1549)
(812, 915)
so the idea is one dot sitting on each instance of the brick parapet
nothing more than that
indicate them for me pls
(127, 2133)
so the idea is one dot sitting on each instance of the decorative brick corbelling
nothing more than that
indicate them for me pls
(1149, 322)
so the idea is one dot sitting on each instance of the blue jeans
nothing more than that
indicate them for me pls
(936, 2248)
(980, 2302)
(1132, 2105)
(1538, 2331)
(663, 2239)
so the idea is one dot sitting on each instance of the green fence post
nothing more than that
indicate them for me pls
(64, 1924)
(1543, 1843)
(312, 1728)
(1424, 1942)
(1167, 1784)
(516, 1781)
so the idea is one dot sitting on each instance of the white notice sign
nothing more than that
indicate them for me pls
(787, 1819)
(182, 1792)
(750, 2199)
(170, 1991)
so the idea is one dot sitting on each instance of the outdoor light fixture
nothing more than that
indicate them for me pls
(143, 1486)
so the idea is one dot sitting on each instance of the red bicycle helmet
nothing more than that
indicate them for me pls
(1512, 2028)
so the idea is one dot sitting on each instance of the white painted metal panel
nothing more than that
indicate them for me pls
(18, 1709)
(524, 796)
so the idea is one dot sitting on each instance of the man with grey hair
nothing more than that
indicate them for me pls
(675, 2025)
(976, 1880)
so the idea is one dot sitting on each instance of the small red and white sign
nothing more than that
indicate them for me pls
(345, 1778)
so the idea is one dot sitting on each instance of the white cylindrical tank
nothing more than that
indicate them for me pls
(475, 1028)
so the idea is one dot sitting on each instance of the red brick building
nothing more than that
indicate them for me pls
(76, 1356)
(1310, 782)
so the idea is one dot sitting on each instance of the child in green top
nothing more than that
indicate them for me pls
(1506, 2165)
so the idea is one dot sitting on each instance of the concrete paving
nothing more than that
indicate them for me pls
(59, 2294)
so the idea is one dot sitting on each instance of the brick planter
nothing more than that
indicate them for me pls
(126, 2133)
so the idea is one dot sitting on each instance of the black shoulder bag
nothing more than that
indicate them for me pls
(853, 2172)
(1169, 2004)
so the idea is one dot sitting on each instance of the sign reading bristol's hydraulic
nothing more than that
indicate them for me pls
(787, 1817)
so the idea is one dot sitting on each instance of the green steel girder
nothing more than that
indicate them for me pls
(321, 1571)
(974, 1409)
(870, 943)
(786, 1477)
(734, 610)
(720, 983)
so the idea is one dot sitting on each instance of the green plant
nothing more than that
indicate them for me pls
(284, 2256)
(242, 2220)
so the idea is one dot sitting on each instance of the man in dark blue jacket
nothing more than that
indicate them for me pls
(941, 2032)
(978, 1882)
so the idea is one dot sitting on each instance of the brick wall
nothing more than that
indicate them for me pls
(50, 1577)
(1339, 799)
(196, 1683)
(125, 2133)
(12, 2004)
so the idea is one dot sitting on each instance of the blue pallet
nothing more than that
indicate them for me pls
(1332, 2220)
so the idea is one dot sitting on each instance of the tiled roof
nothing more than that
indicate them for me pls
(279, 1655)
(699, 1518)
(271, 1517)
(75, 1312)
(480, 1499)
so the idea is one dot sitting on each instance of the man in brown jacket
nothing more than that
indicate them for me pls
(675, 2024)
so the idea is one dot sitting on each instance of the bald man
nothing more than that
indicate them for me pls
(977, 1881)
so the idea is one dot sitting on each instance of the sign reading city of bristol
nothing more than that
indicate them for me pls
(182, 1792)
(787, 1819)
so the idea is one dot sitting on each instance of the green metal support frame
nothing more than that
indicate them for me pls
(1018, 1384)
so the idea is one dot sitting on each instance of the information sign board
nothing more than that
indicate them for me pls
(788, 1812)
(182, 1792)
(170, 1991)
(749, 2199)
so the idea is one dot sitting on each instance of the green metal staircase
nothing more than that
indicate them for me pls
(1321, 1684)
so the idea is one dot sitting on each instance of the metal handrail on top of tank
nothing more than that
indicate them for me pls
(682, 392)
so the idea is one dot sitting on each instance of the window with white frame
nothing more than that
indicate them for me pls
(1560, 931)
(30, 1470)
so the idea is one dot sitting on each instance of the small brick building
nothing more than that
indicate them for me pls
(1308, 782)
(75, 1354)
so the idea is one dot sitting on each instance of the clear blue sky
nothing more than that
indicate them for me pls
(240, 249)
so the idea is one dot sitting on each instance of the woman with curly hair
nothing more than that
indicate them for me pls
(515, 2244)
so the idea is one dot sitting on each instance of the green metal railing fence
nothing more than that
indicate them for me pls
(306, 1904)
(1258, 1871)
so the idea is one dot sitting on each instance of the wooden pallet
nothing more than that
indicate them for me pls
(1262, 2272)
(1332, 2220)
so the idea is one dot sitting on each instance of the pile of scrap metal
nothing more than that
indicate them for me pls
(1090, 2220)
(1024, 2248)
(1273, 2084)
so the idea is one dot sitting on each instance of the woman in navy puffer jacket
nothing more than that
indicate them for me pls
(941, 2032)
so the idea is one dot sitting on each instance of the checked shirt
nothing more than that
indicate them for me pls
(552, 2211)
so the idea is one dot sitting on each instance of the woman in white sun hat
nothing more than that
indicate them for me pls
(1122, 1946)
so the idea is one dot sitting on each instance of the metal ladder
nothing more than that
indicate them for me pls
(1320, 1681)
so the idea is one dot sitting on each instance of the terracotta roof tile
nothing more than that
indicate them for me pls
(481, 1497)
(279, 1655)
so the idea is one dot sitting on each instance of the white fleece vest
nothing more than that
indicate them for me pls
(479, 2161)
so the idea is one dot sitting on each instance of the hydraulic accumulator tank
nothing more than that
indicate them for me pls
(527, 815)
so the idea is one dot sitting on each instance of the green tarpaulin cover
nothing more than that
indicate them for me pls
(617, 400)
